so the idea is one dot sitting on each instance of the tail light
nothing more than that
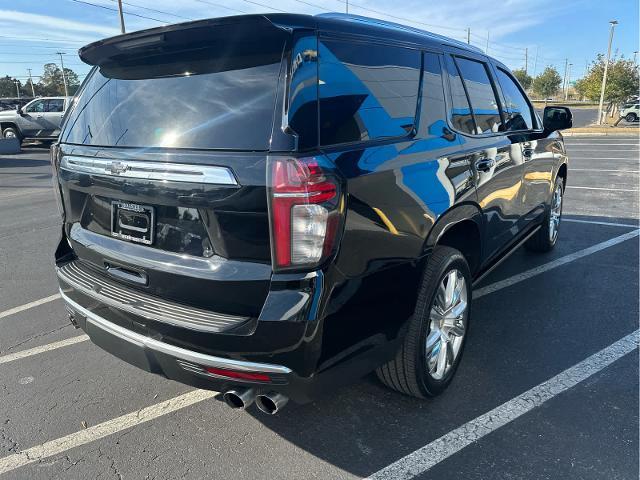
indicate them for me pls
(54, 154)
(306, 210)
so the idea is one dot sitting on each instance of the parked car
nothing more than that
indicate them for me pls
(38, 119)
(630, 112)
(309, 204)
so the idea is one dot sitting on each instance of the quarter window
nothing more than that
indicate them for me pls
(517, 108)
(481, 95)
(461, 117)
(367, 92)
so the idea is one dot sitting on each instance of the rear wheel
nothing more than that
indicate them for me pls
(631, 117)
(431, 350)
(547, 236)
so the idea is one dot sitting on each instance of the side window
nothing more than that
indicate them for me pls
(461, 117)
(518, 109)
(481, 95)
(36, 107)
(366, 91)
(55, 105)
(432, 106)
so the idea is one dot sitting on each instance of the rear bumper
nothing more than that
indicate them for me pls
(184, 365)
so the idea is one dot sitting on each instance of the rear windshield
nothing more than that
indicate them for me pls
(209, 98)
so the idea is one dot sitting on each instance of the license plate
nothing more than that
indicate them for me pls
(132, 222)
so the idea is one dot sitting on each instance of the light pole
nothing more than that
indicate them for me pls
(64, 77)
(33, 91)
(613, 24)
(17, 87)
(566, 90)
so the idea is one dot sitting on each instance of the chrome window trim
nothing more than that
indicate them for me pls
(171, 350)
(157, 171)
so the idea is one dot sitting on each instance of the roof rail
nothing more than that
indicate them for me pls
(398, 26)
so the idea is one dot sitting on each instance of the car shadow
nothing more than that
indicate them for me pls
(518, 338)
(12, 162)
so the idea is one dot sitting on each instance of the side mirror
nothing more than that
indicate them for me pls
(556, 118)
(18, 110)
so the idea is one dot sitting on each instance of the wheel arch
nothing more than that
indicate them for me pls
(461, 228)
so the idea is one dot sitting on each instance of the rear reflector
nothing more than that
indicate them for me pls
(249, 376)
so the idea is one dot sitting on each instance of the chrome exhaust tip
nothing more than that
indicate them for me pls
(271, 403)
(239, 397)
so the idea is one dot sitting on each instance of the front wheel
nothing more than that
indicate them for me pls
(10, 132)
(433, 344)
(546, 237)
(630, 117)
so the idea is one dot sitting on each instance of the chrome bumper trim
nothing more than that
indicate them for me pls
(171, 350)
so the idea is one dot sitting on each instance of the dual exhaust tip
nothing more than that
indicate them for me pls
(269, 403)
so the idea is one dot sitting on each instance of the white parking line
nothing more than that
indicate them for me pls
(621, 150)
(571, 144)
(600, 158)
(96, 432)
(596, 222)
(29, 305)
(423, 459)
(604, 188)
(480, 292)
(603, 170)
(43, 348)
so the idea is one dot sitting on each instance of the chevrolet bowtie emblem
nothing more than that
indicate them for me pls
(116, 168)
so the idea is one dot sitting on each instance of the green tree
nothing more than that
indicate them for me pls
(523, 77)
(622, 80)
(8, 88)
(547, 83)
(51, 82)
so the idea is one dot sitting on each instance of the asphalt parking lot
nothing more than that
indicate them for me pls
(548, 387)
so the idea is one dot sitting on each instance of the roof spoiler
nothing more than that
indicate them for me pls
(173, 38)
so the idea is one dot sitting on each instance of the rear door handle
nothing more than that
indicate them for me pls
(485, 164)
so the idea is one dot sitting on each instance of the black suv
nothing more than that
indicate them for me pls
(271, 206)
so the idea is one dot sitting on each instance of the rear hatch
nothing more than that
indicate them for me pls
(162, 162)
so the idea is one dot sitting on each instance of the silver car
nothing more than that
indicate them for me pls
(38, 119)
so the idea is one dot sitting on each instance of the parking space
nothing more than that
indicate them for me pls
(533, 397)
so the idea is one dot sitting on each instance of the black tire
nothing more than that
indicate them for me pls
(11, 132)
(543, 240)
(407, 372)
(630, 117)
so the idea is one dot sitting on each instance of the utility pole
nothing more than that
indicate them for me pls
(613, 24)
(64, 77)
(121, 16)
(526, 60)
(486, 50)
(566, 92)
(33, 91)
(635, 57)
(469, 36)
(17, 87)
(535, 61)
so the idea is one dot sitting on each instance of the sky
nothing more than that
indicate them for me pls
(548, 32)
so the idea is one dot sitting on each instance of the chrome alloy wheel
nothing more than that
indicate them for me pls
(10, 134)
(448, 322)
(555, 213)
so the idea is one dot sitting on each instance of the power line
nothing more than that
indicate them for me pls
(265, 6)
(213, 4)
(153, 10)
(379, 12)
(115, 10)
(38, 39)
